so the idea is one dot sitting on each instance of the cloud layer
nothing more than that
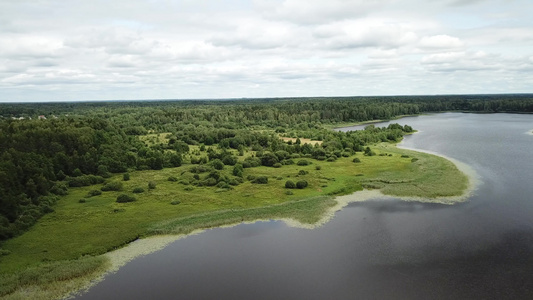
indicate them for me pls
(98, 50)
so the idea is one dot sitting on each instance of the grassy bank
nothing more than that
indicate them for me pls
(99, 224)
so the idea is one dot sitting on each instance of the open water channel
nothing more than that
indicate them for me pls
(379, 249)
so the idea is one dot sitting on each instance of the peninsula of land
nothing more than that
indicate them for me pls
(81, 181)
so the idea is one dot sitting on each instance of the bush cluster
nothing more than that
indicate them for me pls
(138, 190)
(303, 162)
(84, 180)
(93, 193)
(301, 184)
(123, 198)
(260, 180)
(112, 186)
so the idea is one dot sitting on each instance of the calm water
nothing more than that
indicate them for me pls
(482, 249)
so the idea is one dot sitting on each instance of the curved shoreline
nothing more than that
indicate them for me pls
(474, 180)
(120, 257)
(144, 246)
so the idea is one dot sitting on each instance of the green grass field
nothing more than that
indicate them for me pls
(81, 230)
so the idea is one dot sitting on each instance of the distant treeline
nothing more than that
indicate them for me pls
(82, 143)
(272, 112)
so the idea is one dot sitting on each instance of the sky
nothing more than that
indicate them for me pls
(202, 49)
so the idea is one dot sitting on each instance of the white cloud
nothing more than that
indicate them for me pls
(440, 42)
(134, 49)
(364, 33)
(317, 11)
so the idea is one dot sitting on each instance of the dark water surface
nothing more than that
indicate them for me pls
(380, 249)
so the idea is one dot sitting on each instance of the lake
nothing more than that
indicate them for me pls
(379, 249)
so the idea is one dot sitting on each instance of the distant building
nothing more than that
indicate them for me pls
(42, 117)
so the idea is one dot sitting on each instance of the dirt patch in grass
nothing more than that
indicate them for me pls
(303, 140)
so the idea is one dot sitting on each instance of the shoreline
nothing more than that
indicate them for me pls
(529, 132)
(151, 244)
(344, 125)
(474, 180)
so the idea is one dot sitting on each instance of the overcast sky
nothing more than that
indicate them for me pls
(134, 49)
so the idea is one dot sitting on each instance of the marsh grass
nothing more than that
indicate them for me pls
(101, 225)
(51, 280)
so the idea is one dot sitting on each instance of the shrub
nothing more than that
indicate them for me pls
(60, 189)
(188, 188)
(369, 152)
(123, 198)
(175, 202)
(301, 184)
(138, 190)
(209, 182)
(112, 186)
(251, 162)
(223, 185)
(82, 200)
(287, 162)
(199, 169)
(318, 168)
(151, 185)
(103, 171)
(93, 193)
(77, 172)
(356, 160)
(261, 180)
(126, 176)
(303, 162)
(237, 170)
(302, 172)
(172, 178)
(277, 165)
(289, 192)
(269, 159)
(217, 164)
(405, 156)
(414, 159)
(229, 160)
(233, 182)
(290, 184)
(250, 177)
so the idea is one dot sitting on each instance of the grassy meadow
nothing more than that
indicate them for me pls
(80, 230)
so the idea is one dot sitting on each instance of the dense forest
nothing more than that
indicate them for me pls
(45, 148)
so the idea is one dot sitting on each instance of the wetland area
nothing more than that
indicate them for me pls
(383, 248)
